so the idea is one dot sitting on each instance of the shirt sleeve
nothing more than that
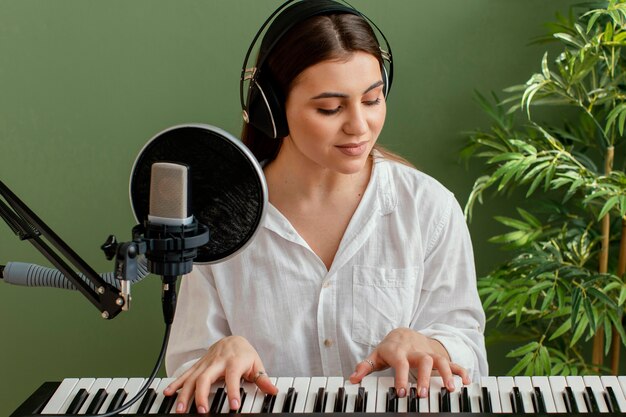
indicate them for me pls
(450, 310)
(198, 323)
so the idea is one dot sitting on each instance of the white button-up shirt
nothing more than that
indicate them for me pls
(405, 260)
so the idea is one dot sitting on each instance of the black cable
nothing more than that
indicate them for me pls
(143, 390)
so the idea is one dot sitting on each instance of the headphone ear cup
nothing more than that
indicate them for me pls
(265, 109)
(385, 74)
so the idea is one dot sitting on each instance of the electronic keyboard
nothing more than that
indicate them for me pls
(592, 395)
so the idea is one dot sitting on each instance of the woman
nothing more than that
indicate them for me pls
(363, 264)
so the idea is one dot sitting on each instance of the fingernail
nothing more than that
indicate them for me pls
(401, 392)
(180, 407)
(234, 404)
(353, 374)
(201, 410)
(451, 385)
(423, 392)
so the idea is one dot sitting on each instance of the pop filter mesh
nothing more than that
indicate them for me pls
(228, 190)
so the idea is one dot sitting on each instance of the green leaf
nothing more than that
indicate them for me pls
(523, 350)
(581, 327)
(544, 66)
(523, 363)
(610, 203)
(565, 327)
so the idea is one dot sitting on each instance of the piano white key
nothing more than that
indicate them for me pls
(159, 391)
(594, 382)
(301, 385)
(612, 381)
(436, 383)
(259, 396)
(525, 386)
(83, 383)
(132, 388)
(578, 387)
(250, 389)
(116, 383)
(60, 396)
(403, 403)
(455, 396)
(543, 383)
(332, 387)
(98, 384)
(141, 381)
(315, 384)
(423, 402)
(283, 384)
(384, 383)
(475, 395)
(491, 383)
(505, 389)
(371, 386)
(352, 390)
(558, 384)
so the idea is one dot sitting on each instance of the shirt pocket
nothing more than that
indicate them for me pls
(383, 299)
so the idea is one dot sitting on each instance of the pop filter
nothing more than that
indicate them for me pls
(229, 192)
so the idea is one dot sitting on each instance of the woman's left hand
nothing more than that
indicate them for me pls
(403, 349)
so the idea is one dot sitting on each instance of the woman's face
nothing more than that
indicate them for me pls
(335, 111)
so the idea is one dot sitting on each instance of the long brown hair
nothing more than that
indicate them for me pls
(317, 39)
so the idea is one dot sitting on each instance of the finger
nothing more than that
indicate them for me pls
(402, 377)
(424, 367)
(443, 366)
(232, 378)
(462, 372)
(204, 380)
(176, 384)
(363, 368)
(265, 383)
(184, 395)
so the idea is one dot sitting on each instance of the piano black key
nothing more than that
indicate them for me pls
(98, 400)
(147, 401)
(320, 400)
(444, 401)
(77, 402)
(611, 400)
(360, 401)
(168, 403)
(517, 401)
(465, 405)
(392, 400)
(268, 403)
(218, 401)
(340, 401)
(290, 400)
(242, 396)
(538, 401)
(570, 400)
(118, 400)
(413, 401)
(590, 400)
(485, 403)
(193, 409)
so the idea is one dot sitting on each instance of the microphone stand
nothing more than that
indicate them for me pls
(28, 226)
(170, 251)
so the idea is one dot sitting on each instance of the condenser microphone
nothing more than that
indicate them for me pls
(33, 275)
(171, 232)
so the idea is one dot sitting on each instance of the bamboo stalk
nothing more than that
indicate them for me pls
(621, 270)
(597, 354)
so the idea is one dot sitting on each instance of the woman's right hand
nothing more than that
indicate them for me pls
(231, 358)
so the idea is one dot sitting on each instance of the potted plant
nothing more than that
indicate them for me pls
(565, 280)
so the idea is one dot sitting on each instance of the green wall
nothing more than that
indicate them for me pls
(84, 84)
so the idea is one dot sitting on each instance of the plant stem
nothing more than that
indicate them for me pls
(597, 354)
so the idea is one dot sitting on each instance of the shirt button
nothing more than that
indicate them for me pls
(326, 284)
(328, 343)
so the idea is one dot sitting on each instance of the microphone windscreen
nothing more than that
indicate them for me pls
(169, 193)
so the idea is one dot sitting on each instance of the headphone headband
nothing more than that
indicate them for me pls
(284, 18)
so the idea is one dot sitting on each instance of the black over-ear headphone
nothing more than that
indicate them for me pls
(262, 102)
